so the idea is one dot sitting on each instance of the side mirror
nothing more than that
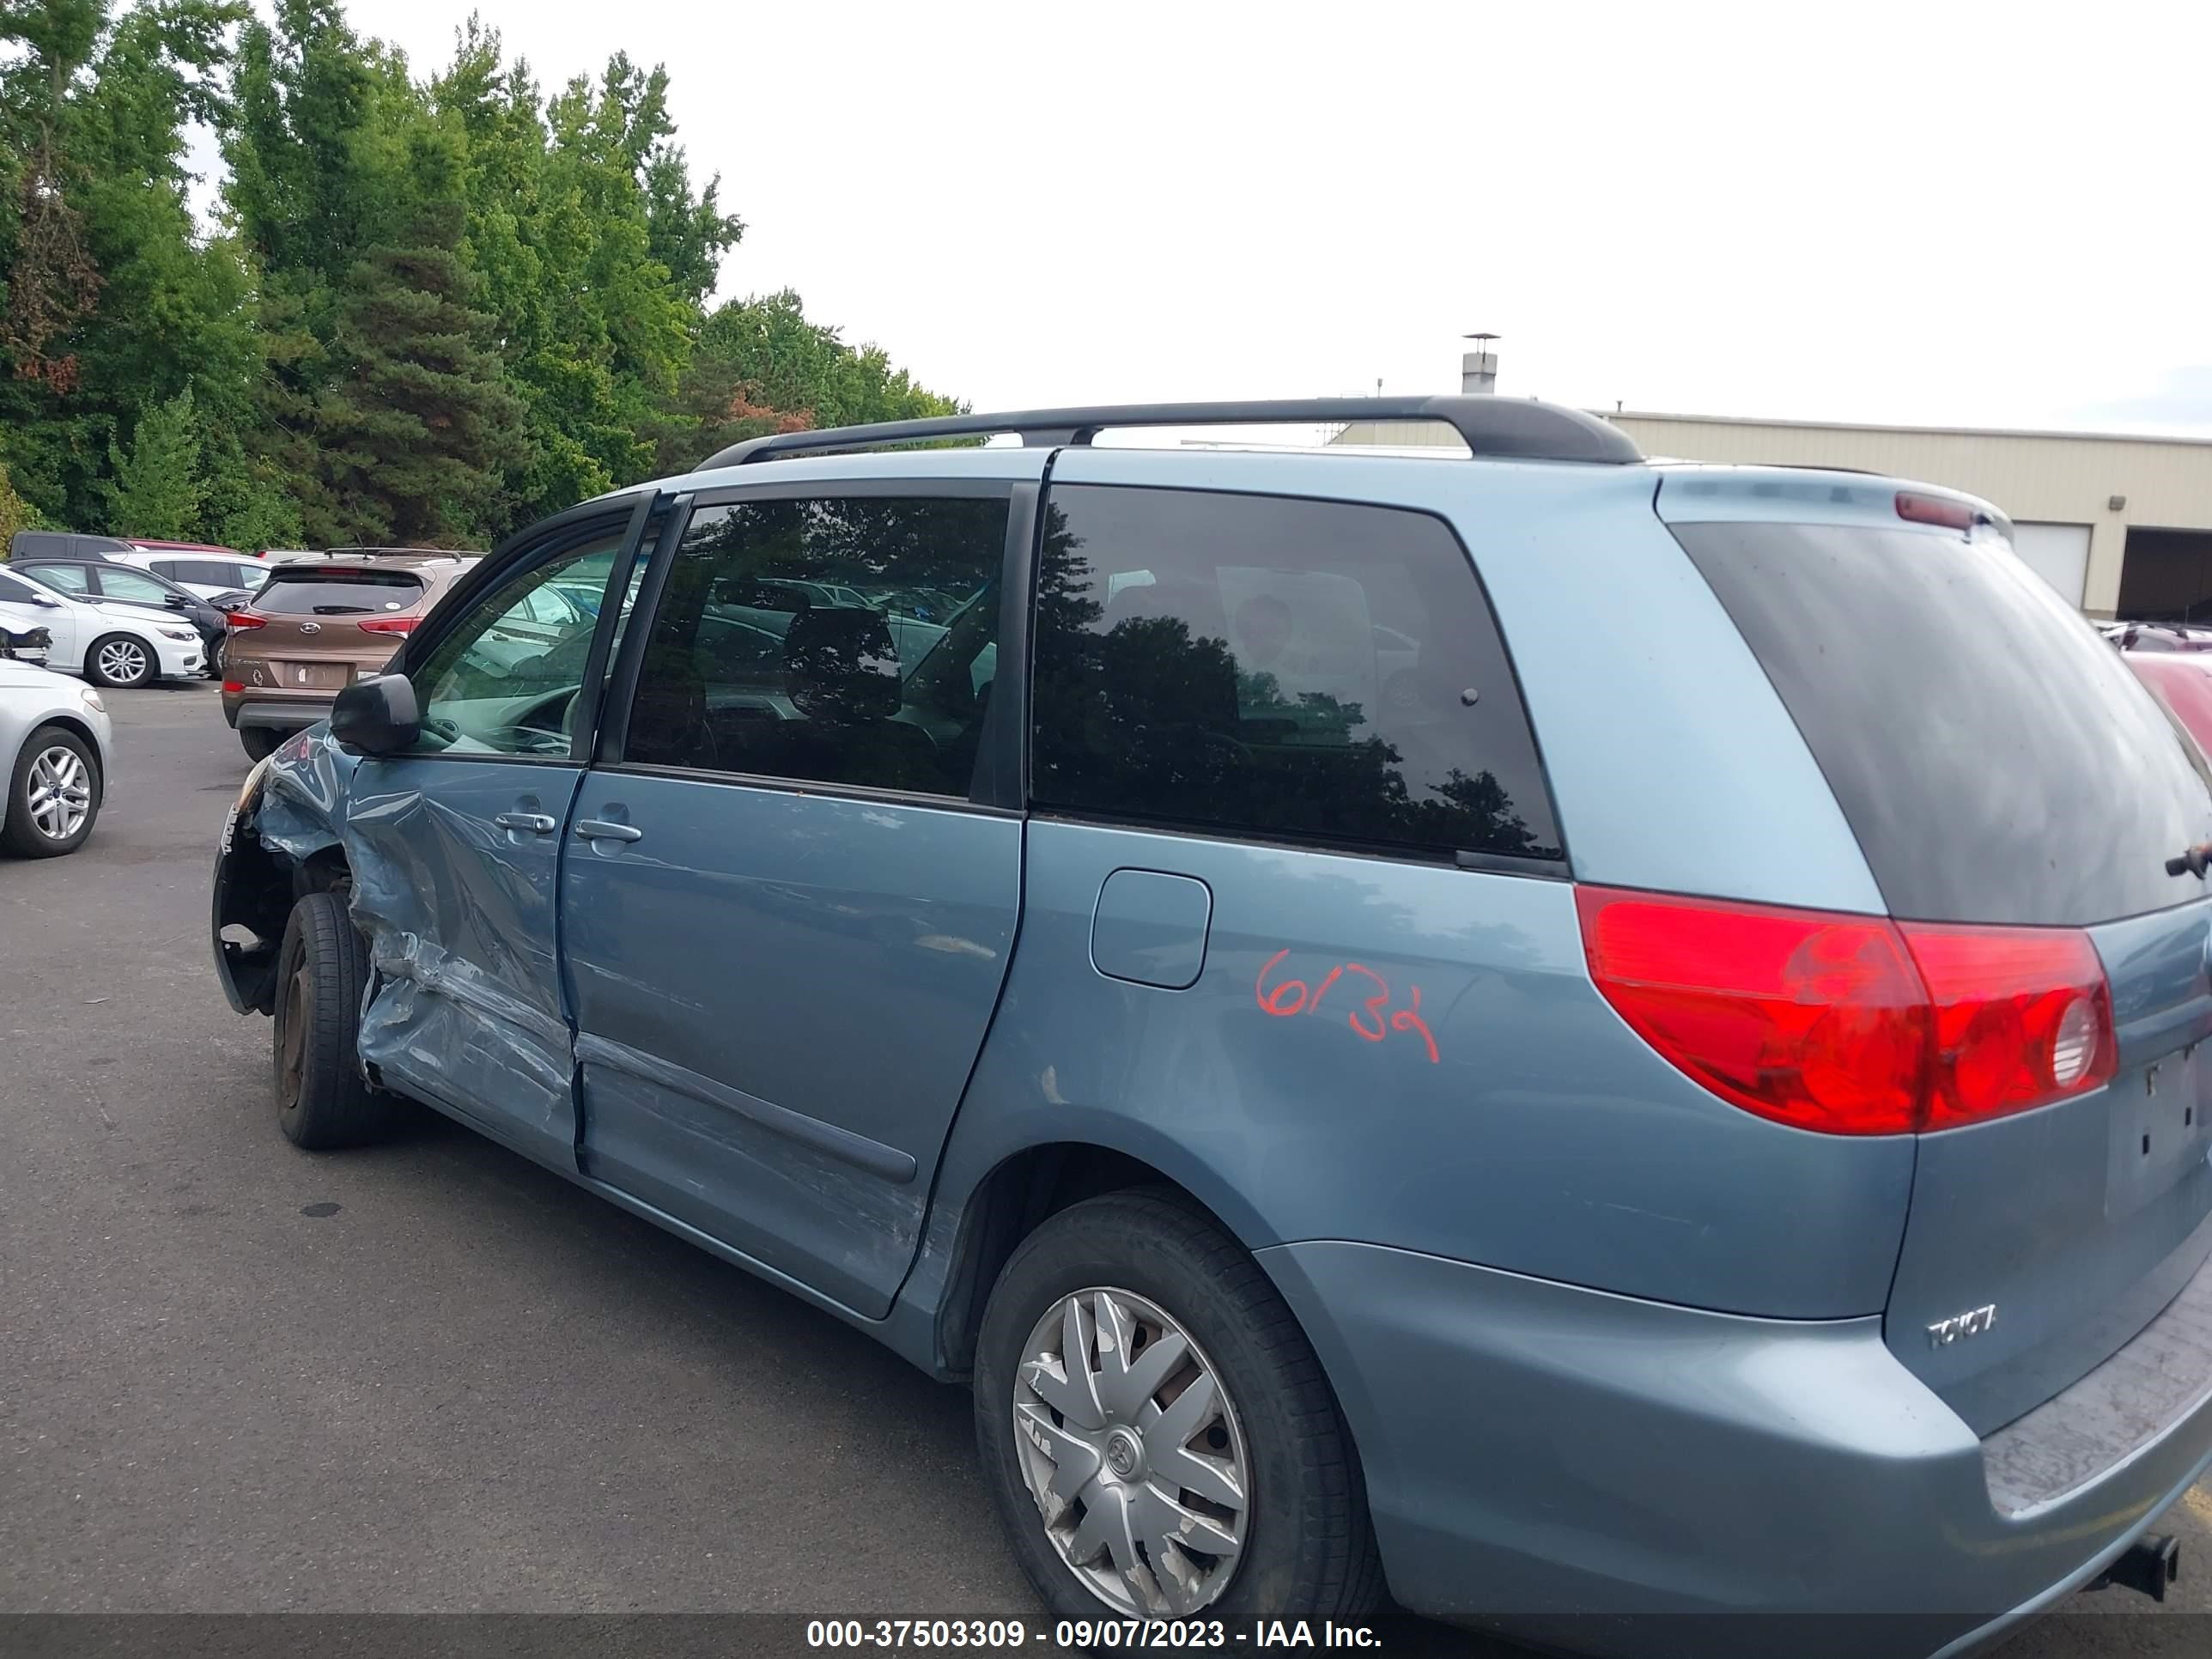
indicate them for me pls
(378, 716)
(45, 604)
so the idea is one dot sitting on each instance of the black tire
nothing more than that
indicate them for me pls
(259, 741)
(322, 1100)
(1308, 1550)
(22, 833)
(148, 664)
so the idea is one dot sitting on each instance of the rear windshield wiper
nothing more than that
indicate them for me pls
(2194, 862)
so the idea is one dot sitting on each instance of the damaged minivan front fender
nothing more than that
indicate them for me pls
(279, 839)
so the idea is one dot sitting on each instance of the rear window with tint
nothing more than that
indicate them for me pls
(329, 595)
(1257, 664)
(1996, 759)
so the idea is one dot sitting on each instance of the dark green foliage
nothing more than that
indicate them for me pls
(157, 488)
(432, 309)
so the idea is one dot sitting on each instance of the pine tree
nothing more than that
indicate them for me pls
(158, 487)
(247, 507)
(417, 429)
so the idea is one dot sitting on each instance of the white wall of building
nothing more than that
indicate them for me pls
(2056, 487)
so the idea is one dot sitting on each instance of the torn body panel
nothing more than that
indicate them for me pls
(464, 1006)
(277, 842)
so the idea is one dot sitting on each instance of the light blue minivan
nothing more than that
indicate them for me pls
(1608, 1050)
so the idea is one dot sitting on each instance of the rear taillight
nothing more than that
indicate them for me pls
(1853, 1024)
(239, 621)
(389, 625)
(2023, 1017)
(1812, 1019)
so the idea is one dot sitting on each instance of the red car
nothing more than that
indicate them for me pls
(2183, 682)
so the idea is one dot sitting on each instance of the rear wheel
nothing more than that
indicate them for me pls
(121, 660)
(1157, 1434)
(53, 795)
(322, 1100)
(259, 741)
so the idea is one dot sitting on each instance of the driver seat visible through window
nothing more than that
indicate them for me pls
(789, 643)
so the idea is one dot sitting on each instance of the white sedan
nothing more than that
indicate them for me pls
(55, 743)
(109, 643)
(203, 574)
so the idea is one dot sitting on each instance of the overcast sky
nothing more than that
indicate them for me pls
(1942, 212)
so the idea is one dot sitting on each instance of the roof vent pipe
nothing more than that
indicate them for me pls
(1478, 369)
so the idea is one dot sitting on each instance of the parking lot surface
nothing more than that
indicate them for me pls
(235, 1377)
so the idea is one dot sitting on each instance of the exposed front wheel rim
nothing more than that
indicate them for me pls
(58, 792)
(122, 659)
(1131, 1446)
(292, 1039)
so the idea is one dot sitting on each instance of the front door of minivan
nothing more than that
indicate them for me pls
(455, 846)
(792, 886)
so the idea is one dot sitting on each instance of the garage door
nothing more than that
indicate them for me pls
(2059, 553)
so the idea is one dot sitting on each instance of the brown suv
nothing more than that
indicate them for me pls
(316, 626)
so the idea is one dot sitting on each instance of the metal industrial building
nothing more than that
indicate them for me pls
(2119, 525)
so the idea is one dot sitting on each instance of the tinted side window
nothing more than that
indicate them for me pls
(787, 643)
(17, 592)
(1279, 667)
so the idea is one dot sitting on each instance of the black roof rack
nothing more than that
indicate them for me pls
(1511, 429)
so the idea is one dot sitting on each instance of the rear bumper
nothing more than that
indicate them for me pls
(270, 713)
(1622, 1476)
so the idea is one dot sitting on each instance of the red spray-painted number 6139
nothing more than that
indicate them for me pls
(1291, 997)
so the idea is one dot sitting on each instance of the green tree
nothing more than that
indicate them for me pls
(114, 298)
(436, 307)
(15, 512)
(248, 506)
(157, 490)
(761, 366)
(597, 253)
(53, 280)
(415, 438)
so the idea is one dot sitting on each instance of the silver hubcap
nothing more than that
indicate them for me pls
(1132, 1450)
(60, 796)
(121, 659)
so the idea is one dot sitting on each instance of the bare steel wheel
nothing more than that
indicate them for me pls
(1131, 1448)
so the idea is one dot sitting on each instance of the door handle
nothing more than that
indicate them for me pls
(535, 823)
(600, 830)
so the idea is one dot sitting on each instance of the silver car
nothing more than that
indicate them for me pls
(56, 745)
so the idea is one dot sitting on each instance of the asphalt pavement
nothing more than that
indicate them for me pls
(430, 1377)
